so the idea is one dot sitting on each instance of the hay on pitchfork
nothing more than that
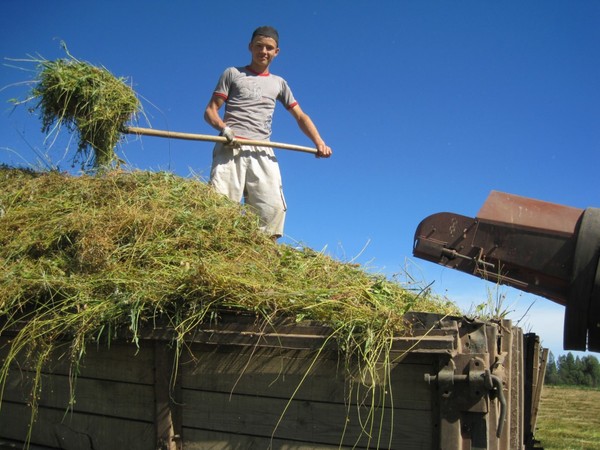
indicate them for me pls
(88, 100)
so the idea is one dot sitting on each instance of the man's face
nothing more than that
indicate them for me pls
(264, 50)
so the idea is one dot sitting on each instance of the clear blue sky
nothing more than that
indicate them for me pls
(428, 106)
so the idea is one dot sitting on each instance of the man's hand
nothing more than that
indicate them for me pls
(323, 151)
(228, 134)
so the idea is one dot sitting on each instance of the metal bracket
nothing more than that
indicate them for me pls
(479, 383)
(451, 254)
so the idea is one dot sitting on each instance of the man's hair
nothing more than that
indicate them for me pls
(266, 31)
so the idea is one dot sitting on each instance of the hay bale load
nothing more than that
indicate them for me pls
(87, 254)
(95, 251)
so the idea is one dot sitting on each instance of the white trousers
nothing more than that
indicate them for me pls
(251, 173)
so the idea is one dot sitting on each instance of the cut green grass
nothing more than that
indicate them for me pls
(84, 256)
(569, 418)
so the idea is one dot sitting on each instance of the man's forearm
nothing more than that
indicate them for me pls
(310, 130)
(211, 113)
(214, 120)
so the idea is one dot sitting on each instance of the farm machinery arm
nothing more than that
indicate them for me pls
(538, 247)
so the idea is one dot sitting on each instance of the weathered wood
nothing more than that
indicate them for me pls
(9, 444)
(503, 369)
(540, 387)
(535, 370)
(304, 421)
(243, 383)
(111, 398)
(209, 440)
(517, 379)
(280, 372)
(58, 429)
(424, 334)
(167, 398)
(100, 361)
(111, 391)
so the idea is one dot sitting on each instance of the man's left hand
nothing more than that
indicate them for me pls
(323, 151)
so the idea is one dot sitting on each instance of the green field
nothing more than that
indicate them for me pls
(569, 418)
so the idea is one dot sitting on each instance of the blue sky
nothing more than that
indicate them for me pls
(428, 106)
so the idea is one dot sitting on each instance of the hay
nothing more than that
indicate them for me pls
(89, 253)
(85, 257)
(89, 101)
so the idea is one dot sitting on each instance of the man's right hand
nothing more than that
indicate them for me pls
(228, 134)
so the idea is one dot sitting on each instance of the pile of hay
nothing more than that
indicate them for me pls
(82, 256)
(89, 101)
(87, 259)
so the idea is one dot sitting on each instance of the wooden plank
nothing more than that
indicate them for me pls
(258, 376)
(111, 398)
(426, 344)
(541, 375)
(432, 342)
(9, 444)
(518, 382)
(504, 371)
(425, 333)
(249, 330)
(304, 421)
(167, 398)
(493, 334)
(54, 428)
(278, 373)
(246, 329)
(209, 440)
(122, 361)
(258, 371)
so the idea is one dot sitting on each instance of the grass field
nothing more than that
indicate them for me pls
(569, 419)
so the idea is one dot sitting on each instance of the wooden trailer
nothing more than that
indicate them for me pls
(454, 383)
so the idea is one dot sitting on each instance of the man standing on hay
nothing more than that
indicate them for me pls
(250, 93)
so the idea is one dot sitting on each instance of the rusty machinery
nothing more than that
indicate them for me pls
(543, 248)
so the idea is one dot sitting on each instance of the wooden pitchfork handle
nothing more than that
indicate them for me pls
(208, 137)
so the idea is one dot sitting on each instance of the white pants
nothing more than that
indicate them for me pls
(251, 173)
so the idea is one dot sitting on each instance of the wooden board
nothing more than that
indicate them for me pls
(279, 372)
(113, 400)
(303, 421)
(55, 428)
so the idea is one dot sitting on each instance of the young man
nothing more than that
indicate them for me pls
(250, 94)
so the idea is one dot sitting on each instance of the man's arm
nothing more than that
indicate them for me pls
(309, 129)
(211, 114)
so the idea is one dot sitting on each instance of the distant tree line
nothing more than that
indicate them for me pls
(574, 371)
